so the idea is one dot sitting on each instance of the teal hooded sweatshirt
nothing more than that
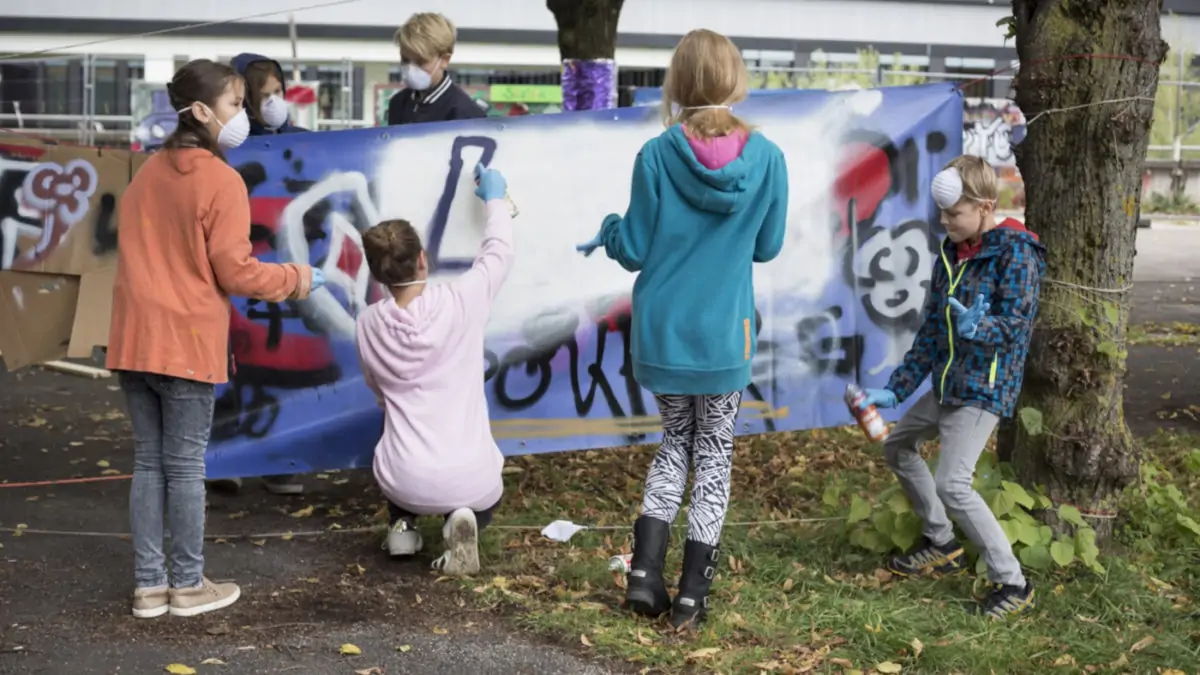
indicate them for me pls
(693, 233)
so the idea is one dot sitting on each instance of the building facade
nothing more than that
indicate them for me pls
(66, 60)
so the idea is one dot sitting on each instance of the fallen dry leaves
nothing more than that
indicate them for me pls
(705, 653)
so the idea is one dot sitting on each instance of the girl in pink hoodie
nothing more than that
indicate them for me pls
(420, 353)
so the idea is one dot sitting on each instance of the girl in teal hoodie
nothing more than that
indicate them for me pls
(709, 198)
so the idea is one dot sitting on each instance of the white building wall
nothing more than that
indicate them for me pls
(865, 21)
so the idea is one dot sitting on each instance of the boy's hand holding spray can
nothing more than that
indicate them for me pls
(868, 417)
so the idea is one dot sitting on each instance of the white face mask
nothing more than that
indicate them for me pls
(233, 133)
(416, 78)
(274, 112)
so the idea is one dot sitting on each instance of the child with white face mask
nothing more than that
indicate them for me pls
(185, 217)
(265, 111)
(426, 43)
(266, 94)
(419, 350)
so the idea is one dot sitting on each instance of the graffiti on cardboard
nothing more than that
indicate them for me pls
(41, 203)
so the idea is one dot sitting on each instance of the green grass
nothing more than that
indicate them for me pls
(798, 598)
(1169, 335)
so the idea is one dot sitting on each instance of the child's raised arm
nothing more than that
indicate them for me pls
(769, 242)
(479, 285)
(627, 240)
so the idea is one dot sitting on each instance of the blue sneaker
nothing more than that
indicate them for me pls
(930, 560)
(1004, 601)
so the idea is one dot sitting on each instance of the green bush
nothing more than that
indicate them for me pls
(1175, 204)
(889, 524)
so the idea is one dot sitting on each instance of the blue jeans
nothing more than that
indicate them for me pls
(172, 418)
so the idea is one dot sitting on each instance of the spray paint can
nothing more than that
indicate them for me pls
(868, 418)
(619, 564)
(513, 211)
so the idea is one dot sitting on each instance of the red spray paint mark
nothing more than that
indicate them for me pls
(864, 175)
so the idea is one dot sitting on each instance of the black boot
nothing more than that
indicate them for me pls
(645, 591)
(699, 568)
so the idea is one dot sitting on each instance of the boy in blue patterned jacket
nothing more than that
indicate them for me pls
(978, 318)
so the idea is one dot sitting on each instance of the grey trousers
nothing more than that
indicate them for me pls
(964, 431)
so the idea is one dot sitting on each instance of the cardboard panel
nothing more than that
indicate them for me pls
(93, 316)
(38, 314)
(58, 207)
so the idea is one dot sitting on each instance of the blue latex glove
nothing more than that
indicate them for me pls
(489, 183)
(880, 398)
(318, 279)
(968, 319)
(587, 248)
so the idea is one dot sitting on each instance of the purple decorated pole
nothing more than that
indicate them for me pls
(589, 84)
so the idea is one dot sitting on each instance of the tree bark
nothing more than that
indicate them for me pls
(1081, 162)
(587, 29)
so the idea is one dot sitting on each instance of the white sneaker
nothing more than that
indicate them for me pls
(403, 540)
(461, 534)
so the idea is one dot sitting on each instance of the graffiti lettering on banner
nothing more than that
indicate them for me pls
(840, 303)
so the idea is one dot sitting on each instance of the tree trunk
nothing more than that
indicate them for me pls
(1086, 86)
(587, 44)
(587, 29)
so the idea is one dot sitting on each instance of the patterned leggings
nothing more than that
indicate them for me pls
(697, 430)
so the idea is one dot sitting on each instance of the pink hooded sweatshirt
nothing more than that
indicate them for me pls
(424, 363)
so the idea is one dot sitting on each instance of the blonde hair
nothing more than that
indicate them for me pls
(978, 178)
(707, 69)
(425, 37)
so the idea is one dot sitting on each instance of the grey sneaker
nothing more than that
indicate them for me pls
(461, 534)
(403, 539)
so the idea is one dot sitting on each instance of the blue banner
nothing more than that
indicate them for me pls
(842, 302)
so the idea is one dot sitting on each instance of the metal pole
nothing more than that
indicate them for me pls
(1179, 99)
(89, 99)
(347, 92)
(293, 36)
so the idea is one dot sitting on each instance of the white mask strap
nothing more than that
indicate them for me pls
(189, 108)
(408, 283)
(708, 107)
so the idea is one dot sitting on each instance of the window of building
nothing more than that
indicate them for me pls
(56, 95)
(340, 96)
